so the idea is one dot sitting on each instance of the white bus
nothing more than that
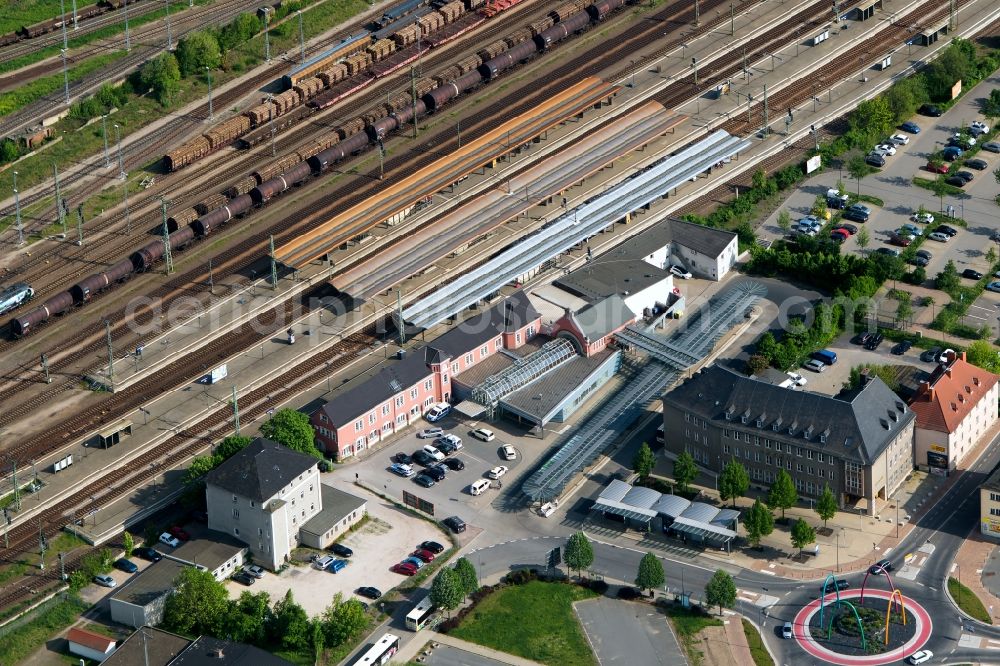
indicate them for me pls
(421, 614)
(381, 652)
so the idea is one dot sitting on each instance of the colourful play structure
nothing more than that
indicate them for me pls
(879, 570)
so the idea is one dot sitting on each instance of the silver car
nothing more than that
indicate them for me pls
(939, 237)
(814, 365)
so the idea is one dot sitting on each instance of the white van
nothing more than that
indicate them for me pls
(479, 486)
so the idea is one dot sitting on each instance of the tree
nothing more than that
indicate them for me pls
(991, 256)
(650, 574)
(198, 468)
(289, 624)
(318, 641)
(819, 208)
(863, 238)
(579, 554)
(982, 354)
(162, 76)
(129, 542)
(342, 620)
(803, 534)
(785, 221)
(446, 590)
(826, 505)
(198, 604)
(467, 576)
(247, 619)
(757, 363)
(643, 461)
(733, 481)
(758, 522)
(685, 471)
(858, 169)
(8, 150)
(721, 590)
(196, 51)
(291, 428)
(940, 188)
(231, 445)
(996, 174)
(782, 494)
(948, 280)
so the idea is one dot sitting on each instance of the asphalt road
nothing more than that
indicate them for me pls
(623, 632)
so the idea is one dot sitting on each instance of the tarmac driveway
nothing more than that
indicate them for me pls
(624, 632)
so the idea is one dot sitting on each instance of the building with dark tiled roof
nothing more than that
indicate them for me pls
(154, 647)
(858, 442)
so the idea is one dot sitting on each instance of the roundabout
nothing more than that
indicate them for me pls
(846, 643)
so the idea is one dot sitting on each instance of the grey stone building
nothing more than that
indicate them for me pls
(860, 442)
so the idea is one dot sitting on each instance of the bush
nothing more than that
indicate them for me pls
(628, 593)
(520, 577)
(598, 586)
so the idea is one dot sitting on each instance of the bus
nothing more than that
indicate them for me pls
(381, 652)
(421, 615)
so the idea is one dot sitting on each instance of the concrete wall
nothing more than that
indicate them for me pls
(134, 615)
(649, 297)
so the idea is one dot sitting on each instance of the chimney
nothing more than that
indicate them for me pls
(947, 371)
(923, 386)
(217, 653)
(962, 356)
(865, 377)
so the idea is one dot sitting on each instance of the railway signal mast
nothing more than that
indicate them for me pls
(302, 39)
(62, 10)
(74, 15)
(168, 259)
(170, 39)
(59, 202)
(17, 213)
(128, 39)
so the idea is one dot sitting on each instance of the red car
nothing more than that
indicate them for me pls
(425, 555)
(901, 241)
(839, 235)
(937, 168)
(404, 568)
(180, 534)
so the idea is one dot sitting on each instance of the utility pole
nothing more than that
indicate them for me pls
(170, 39)
(45, 369)
(17, 490)
(270, 115)
(74, 15)
(41, 547)
(211, 281)
(697, 14)
(381, 159)
(413, 92)
(62, 15)
(267, 37)
(128, 39)
(694, 66)
(128, 216)
(65, 76)
(765, 111)
(111, 355)
(104, 133)
(62, 564)
(208, 73)
(121, 158)
(59, 205)
(458, 129)
(732, 19)
(302, 39)
(951, 15)
(17, 213)
(79, 225)
(274, 265)
(167, 258)
(399, 311)
(236, 413)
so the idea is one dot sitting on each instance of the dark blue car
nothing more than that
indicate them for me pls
(911, 127)
(126, 565)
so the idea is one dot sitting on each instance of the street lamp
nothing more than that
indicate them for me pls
(208, 73)
(121, 158)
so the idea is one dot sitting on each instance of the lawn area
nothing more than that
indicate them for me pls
(55, 616)
(761, 657)
(535, 621)
(968, 601)
(687, 623)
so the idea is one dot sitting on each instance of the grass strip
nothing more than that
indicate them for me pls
(968, 601)
(18, 644)
(761, 657)
(13, 100)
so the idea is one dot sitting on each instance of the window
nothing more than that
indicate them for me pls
(428, 384)
(413, 394)
(819, 457)
(323, 419)
(746, 437)
(725, 448)
(454, 368)
(236, 531)
(236, 513)
(798, 452)
(385, 410)
(725, 434)
(531, 331)
(371, 419)
(767, 460)
(687, 418)
(994, 497)
(788, 449)
(809, 454)
(812, 470)
(767, 444)
(798, 467)
(756, 456)
(744, 419)
(234, 499)
(995, 512)
(517, 337)
(399, 401)
(788, 464)
(484, 351)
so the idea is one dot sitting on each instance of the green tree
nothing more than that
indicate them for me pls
(644, 461)
(991, 256)
(162, 76)
(467, 576)
(289, 625)
(342, 620)
(948, 280)
(246, 620)
(318, 639)
(721, 590)
(650, 575)
(198, 604)
(733, 481)
(685, 471)
(231, 445)
(873, 119)
(785, 221)
(803, 534)
(819, 208)
(996, 174)
(8, 150)
(982, 354)
(198, 468)
(826, 505)
(128, 541)
(782, 494)
(858, 169)
(863, 238)
(291, 428)
(579, 553)
(940, 188)
(758, 522)
(757, 363)
(446, 590)
(196, 51)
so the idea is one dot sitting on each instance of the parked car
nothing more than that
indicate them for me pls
(402, 458)
(899, 139)
(445, 447)
(454, 440)
(425, 555)
(911, 127)
(875, 160)
(432, 546)
(972, 274)
(839, 235)
(423, 458)
(849, 228)
(861, 338)
(430, 433)
(874, 341)
(341, 550)
(483, 434)
(336, 566)
(105, 580)
(415, 561)
(994, 286)
(991, 146)
(681, 272)
(454, 523)
(786, 630)
(855, 215)
(814, 365)
(951, 153)
(244, 578)
(508, 452)
(912, 229)
(372, 593)
(254, 570)
(977, 164)
(934, 167)
(919, 261)
(930, 354)
(433, 452)
(956, 181)
(901, 348)
(949, 231)
(900, 240)
(922, 218)
(436, 472)
(921, 657)
(979, 126)
(887, 251)
(887, 148)
(322, 562)
(939, 237)
(497, 472)
(147, 553)
(929, 110)
(404, 568)
(943, 358)
(926, 254)
(797, 379)
(128, 566)
(168, 540)
(402, 470)
(424, 479)
(454, 464)
(438, 412)
(967, 176)
(180, 534)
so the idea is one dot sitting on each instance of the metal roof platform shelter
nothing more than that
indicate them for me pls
(574, 227)
(866, 10)
(604, 426)
(522, 372)
(394, 202)
(931, 35)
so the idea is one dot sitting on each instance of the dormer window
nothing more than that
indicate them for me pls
(729, 415)
(760, 423)
(745, 419)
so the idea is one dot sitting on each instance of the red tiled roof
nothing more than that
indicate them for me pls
(90, 640)
(953, 392)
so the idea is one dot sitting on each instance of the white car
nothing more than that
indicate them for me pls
(899, 139)
(438, 412)
(797, 378)
(170, 540)
(922, 218)
(980, 127)
(680, 272)
(497, 472)
(945, 355)
(435, 455)
(402, 470)
(483, 434)
(508, 452)
(454, 440)
(939, 237)
(885, 149)
(971, 139)
(921, 657)
(105, 580)
(430, 433)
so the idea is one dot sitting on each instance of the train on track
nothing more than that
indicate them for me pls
(15, 296)
(51, 25)
(294, 169)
